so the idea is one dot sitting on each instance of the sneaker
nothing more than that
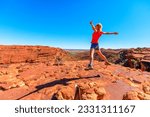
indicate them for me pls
(90, 66)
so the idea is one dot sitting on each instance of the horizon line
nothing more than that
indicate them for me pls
(67, 48)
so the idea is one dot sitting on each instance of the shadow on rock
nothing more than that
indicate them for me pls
(63, 81)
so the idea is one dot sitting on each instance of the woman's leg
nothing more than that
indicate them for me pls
(103, 57)
(91, 56)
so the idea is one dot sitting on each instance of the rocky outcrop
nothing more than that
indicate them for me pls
(91, 91)
(146, 88)
(68, 80)
(30, 54)
(136, 95)
(82, 91)
(71, 81)
(138, 58)
(143, 94)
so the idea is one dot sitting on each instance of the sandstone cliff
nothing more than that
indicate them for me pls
(35, 72)
(30, 54)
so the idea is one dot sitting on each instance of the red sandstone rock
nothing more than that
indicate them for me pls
(65, 93)
(20, 54)
(132, 95)
(146, 88)
(136, 95)
(43, 79)
(138, 58)
(91, 91)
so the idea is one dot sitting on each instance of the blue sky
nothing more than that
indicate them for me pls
(65, 23)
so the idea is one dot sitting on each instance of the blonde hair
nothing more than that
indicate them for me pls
(100, 26)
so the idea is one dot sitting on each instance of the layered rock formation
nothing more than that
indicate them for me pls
(67, 80)
(135, 58)
(30, 54)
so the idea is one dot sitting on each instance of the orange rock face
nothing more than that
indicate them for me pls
(138, 58)
(31, 54)
(44, 79)
(136, 95)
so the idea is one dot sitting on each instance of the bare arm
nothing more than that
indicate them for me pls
(108, 33)
(93, 27)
